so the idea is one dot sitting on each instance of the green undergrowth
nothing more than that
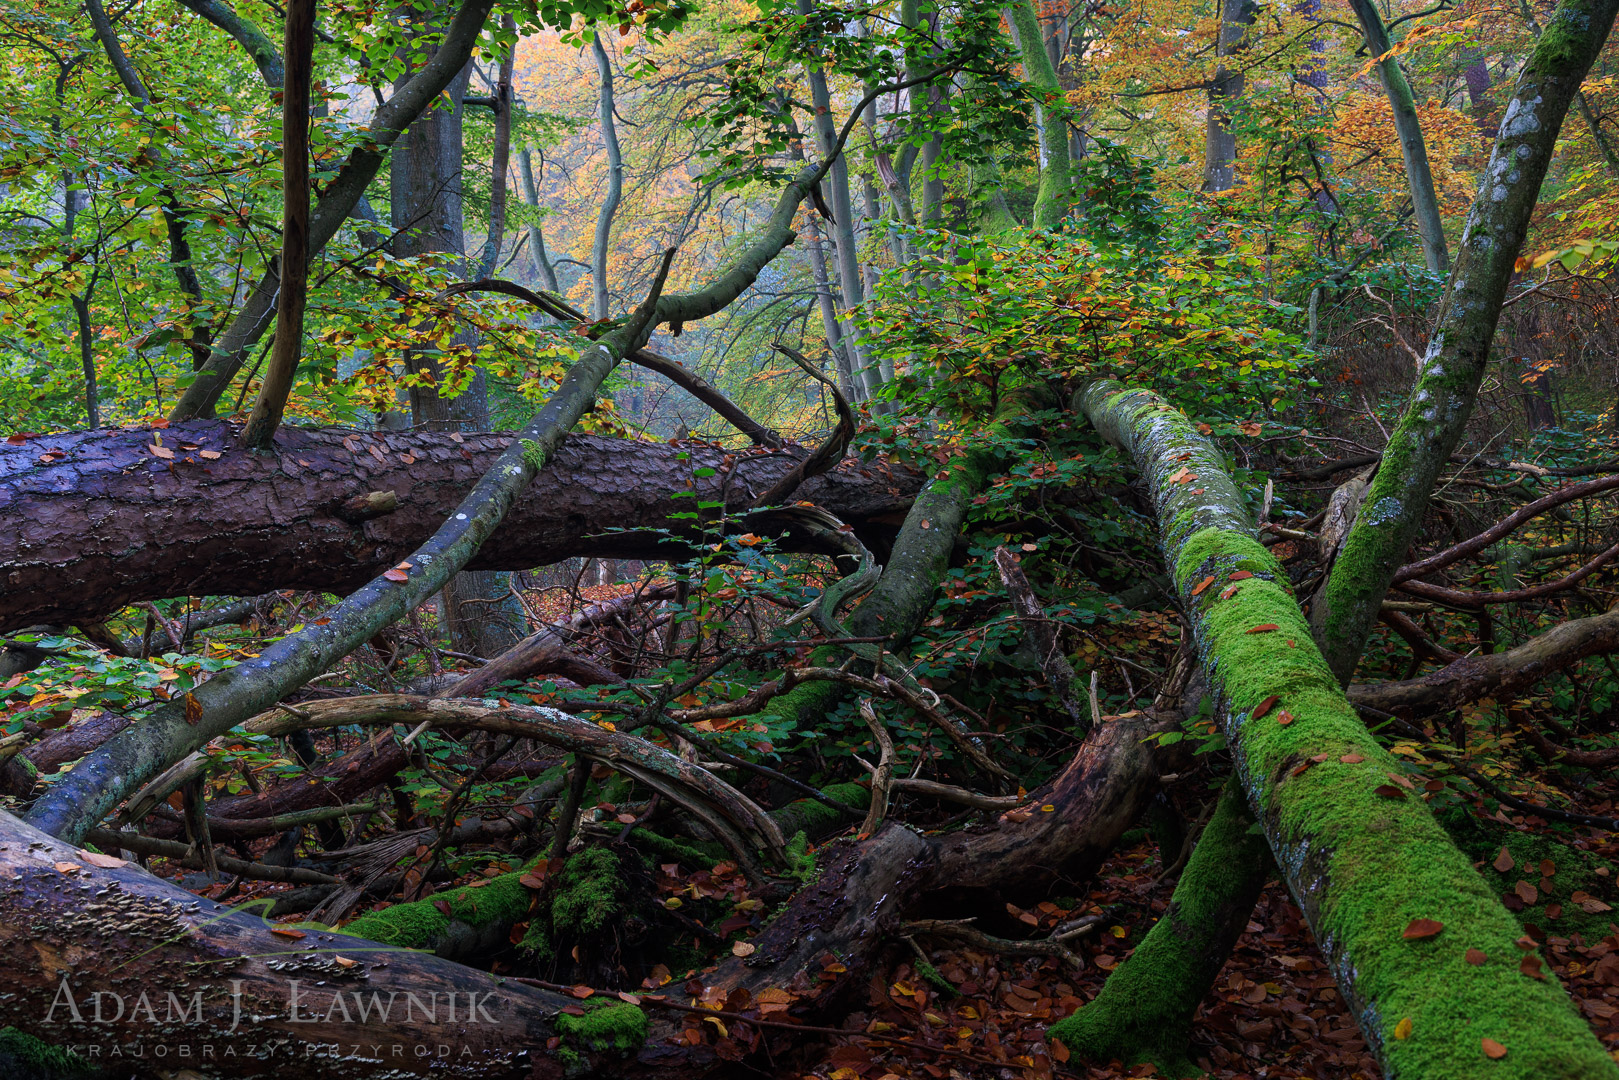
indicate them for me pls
(23, 1057)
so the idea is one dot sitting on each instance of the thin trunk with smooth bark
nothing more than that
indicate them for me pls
(289, 315)
(1458, 353)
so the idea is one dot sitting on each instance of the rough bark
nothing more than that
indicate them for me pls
(1413, 147)
(255, 42)
(536, 239)
(1459, 350)
(1500, 674)
(1220, 142)
(111, 524)
(71, 929)
(174, 730)
(1361, 857)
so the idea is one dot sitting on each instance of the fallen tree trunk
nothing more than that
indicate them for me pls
(1365, 862)
(187, 983)
(112, 522)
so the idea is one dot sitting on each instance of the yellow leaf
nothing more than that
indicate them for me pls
(1402, 1030)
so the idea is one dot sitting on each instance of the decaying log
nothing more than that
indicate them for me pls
(109, 523)
(187, 983)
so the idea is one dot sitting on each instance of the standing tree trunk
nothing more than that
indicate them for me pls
(289, 312)
(1220, 142)
(1459, 350)
(536, 238)
(1051, 130)
(615, 181)
(1413, 148)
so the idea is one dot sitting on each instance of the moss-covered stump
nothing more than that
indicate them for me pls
(1144, 1012)
(602, 1029)
(1363, 857)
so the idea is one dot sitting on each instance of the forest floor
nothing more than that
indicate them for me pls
(1275, 1011)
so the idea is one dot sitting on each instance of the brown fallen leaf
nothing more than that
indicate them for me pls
(1228, 592)
(1503, 861)
(1204, 584)
(1493, 1050)
(1389, 791)
(287, 932)
(1530, 965)
(581, 991)
(396, 575)
(1263, 628)
(1475, 957)
(67, 867)
(1526, 892)
(1417, 929)
(160, 451)
(209, 455)
(1264, 706)
(1284, 718)
(1351, 759)
(344, 962)
(106, 862)
(1241, 575)
(743, 948)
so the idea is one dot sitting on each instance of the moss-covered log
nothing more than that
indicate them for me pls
(1144, 1012)
(1363, 858)
(1458, 352)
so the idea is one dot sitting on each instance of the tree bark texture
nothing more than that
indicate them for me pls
(1220, 142)
(112, 524)
(1362, 857)
(71, 928)
(1145, 1009)
(1459, 350)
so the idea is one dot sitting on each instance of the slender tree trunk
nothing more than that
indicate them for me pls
(289, 317)
(1413, 148)
(1051, 203)
(1220, 142)
(615, 181)
(1145, 1009)
(500, 164)
(1459, 350)
(536, 239)
(1362, 859)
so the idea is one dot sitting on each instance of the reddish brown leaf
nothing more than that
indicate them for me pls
(1526, 892)
(396, 575)
(1241, 575)
(1493, 1050)
(1475, 957)
(1264, 706)
(1530, 966)
(1284, 718)
(1204, 584)
(1389, 791)
(285, 932)
(1417, 929)
(1351, 759)
(1503, 862)
(1263, 628)
(581, 991)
